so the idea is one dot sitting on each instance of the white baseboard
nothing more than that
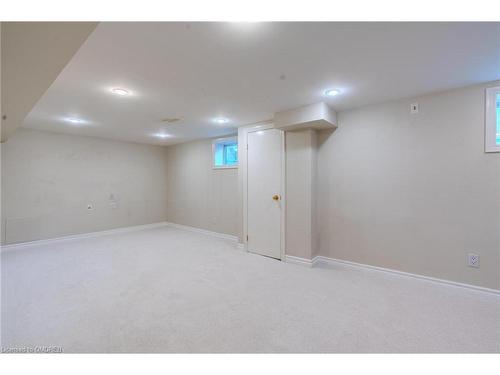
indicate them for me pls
(135, 228)
(204, 231)
(331, 261)
(288, 258)
(300, 261)
(318, 260)
(48, 241)
(240, 246)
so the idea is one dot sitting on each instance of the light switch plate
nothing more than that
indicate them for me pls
(473, 260)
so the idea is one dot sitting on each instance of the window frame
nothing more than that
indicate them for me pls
(490, 126)
(217, 141)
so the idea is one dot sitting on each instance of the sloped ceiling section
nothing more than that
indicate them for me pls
(33, 55)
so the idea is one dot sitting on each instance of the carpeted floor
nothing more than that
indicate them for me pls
(171, 290)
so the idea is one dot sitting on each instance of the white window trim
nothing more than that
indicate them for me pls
(218, 140)
(490, 126)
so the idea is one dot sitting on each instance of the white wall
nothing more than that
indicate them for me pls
(198, 195)
(413, 192)
(48, 179)
(300, 184)
(33, 55)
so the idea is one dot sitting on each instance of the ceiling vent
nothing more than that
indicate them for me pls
(170, 120)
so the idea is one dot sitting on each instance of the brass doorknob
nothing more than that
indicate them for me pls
(276, 197)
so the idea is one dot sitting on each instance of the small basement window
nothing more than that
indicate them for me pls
(492, 125)
(225, 152)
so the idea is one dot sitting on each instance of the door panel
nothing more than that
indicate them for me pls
(264, 182)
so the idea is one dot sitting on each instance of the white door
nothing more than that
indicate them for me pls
(264, 184)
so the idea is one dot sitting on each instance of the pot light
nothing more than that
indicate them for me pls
(75, 120)
(332, 92)
(221, 120)
(161, 135)
(119, 91)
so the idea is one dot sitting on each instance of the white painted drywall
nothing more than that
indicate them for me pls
(198, 195)
(33, 55)
(48, 180)
(301, 236)
(413, 192)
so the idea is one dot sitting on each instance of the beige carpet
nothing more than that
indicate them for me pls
(170, 290)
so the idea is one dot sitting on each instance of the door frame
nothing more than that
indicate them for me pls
(243, 165)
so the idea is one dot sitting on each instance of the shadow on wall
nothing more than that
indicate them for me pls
(323, 135)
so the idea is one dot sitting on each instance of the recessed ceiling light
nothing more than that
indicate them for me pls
(221, 120)
(161, 135)
(119, 91)
(332, 92)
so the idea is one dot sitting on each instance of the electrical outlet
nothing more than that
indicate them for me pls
(414, 108)
(473, 260)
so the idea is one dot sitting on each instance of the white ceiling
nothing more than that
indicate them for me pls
(247, 71)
